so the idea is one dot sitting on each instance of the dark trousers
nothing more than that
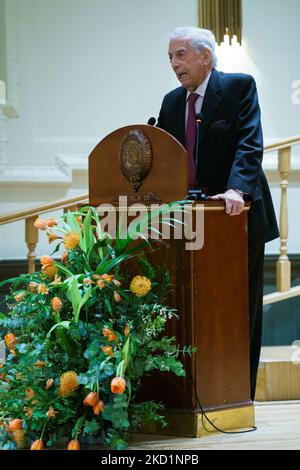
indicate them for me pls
(256, 266)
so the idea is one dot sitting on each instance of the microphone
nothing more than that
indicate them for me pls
(151, 121)
(197, 194)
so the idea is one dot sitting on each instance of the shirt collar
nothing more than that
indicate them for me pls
(201, 88)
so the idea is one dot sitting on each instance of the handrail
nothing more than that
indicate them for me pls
(36, 211)
(283, 265)
(282, 144)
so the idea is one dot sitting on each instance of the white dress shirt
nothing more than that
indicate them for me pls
(201, 92)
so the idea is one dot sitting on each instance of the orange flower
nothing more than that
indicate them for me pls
(91, 399)
(64, 257)
(56, 304)
(32, 286)
(117, 296)
(15, 425)
(49, 384)
(118, 385)
(126, 330)
(19, 438)
(39, 364)
(100, 284)
(49, 270)
(51, 222)
(10, 340)
(108, 350)
(29, 393)
(116, 282)
(28, 411)
(87, 281)
(107, 278)
(71, 240)
(57, 281)
(68, 383)
(45, 260)
(40, 224)
(74, 445)
(37, 445)
(51, 412)
(98, 407)
(52, 237)
(19, 296)
(111, 336)
(43, 289)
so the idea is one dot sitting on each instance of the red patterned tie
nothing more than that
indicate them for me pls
(190, 136)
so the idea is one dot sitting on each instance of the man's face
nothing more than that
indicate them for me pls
(188, 63)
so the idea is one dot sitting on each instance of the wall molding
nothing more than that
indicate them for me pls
(62, 173)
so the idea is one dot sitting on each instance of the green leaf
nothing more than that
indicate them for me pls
(63, 324)
(3, 317)
(82, 302)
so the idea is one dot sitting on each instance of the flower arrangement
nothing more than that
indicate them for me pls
(80, 334)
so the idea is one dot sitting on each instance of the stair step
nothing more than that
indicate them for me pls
(278, 375)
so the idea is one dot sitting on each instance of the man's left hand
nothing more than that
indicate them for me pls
(234, 201)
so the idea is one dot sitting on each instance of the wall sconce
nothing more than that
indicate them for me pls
(223, 18)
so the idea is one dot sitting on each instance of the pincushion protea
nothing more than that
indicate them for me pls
(68, 383)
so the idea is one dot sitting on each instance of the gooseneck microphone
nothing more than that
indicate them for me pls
(197, 194)
(151, 121)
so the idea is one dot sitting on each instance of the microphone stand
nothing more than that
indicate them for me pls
(197, 194)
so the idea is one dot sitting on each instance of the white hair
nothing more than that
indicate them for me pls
(198, 38)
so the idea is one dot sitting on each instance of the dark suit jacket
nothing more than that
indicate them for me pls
(230, 145)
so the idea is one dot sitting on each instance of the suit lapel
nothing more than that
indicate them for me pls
(210, 103)
(181, 112)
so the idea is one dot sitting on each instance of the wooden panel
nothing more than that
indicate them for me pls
(211, 294)
(167, 178)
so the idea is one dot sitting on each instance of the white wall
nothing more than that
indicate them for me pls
(80, 69)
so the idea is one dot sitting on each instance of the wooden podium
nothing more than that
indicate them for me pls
(210, 285)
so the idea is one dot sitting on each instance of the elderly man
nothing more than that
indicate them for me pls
(230, 150)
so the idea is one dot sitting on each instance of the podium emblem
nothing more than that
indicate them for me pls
(135, 157)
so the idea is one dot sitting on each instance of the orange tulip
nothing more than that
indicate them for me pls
(126, 330)
(100, 284)
(51, 222)
(117, 296)
(56, 304)
(118, 385)
(91, 399)
(10, 340)
(46, 260)
(40, 224)
(15, 425)
(74, 445)
(37, 445)
(49, 270)
(98, 407)
(64, 257)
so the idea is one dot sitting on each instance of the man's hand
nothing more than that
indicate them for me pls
(234, 201)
